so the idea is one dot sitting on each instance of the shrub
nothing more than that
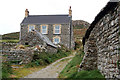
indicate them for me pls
(78, 45)
(46, 58)
(6, 69)
(20, 46)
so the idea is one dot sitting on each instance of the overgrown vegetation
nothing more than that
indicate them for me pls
(39, 61)
(71, 70)
(6, 69)
(79, 27)
(11, 36)
(46, 58)
(78, 45)
(10, 41)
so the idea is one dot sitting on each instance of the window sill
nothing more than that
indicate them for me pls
(43, 33)
(57, 33)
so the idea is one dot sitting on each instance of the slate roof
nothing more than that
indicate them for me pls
(46, 19)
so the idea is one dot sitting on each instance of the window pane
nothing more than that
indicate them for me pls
(44, 29)
(56, 40)
(57, 29)
(31, 28)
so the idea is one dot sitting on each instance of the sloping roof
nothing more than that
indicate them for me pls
(46, 19)
(110, 6)
(45, 38)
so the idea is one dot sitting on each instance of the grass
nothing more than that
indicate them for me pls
(10, 41)
(39, 61)
(71, 70)
(11, 36)
(6, 69)
(89, 74)
(21, 72)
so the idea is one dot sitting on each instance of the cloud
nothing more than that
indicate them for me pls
(13, 11)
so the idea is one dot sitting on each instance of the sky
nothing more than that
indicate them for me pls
(12, 12)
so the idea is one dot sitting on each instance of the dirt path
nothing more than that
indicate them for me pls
(52, 70)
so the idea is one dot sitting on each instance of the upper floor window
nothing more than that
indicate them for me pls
(31, 27)
(56, 40)
(44, 29)
(57, 29)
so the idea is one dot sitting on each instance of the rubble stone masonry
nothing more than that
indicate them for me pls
(101, 42)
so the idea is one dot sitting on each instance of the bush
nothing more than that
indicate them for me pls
(78, 45)
(6, 69)
(46, 58)
(21, 46)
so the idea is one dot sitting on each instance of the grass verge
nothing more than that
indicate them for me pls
(21, 72)
(71, 70)
(10, 41)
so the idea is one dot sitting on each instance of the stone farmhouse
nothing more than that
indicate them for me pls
(47, 29)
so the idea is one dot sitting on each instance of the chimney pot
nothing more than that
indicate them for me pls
(70, 11)
(26, 13)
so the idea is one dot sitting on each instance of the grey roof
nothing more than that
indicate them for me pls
(45, 38)
(46, 19)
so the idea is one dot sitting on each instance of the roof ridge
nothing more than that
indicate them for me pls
(52, 15)
(63, 18)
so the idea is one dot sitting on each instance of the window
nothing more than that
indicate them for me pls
(57, 29)
(56, 40)
(44, 29)
(31, 27)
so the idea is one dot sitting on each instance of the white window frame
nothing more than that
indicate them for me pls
(55, 30)
(54, 40)
(46, 30)
(30, 29)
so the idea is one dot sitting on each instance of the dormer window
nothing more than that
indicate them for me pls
(31, 28)
(44, 29)
(57, 29)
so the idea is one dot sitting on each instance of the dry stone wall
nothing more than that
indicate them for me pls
(19, 56)
(102, 42)
(107, 43)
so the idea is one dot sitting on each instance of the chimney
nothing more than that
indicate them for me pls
(26, 13)
(70, 12)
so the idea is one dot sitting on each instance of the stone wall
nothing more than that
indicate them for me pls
(7, 46)
(12, 52)
(20, 56)
(102, 42)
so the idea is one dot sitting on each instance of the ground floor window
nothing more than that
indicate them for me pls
(56, 40)
(31, 28)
